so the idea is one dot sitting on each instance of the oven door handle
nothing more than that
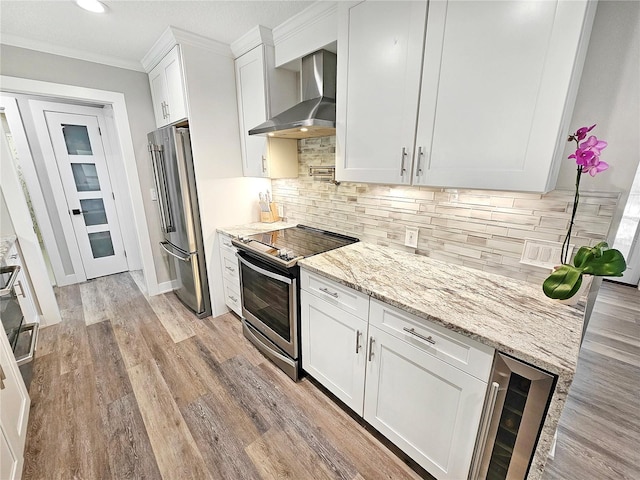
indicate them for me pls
(264, 272)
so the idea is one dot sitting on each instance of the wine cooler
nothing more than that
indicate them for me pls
(515, 409)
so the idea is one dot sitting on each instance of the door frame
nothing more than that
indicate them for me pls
(125, 152)
(118, 184)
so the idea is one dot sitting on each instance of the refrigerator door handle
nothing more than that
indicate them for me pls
(185, 258)
(160, 178)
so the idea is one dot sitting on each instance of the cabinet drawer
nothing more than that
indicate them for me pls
(345, 298)
(225, 243)
(232, 297)
(462, 352)
(230, 265)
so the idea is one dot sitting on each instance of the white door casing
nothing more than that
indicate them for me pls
(82, 166)
(129, 191)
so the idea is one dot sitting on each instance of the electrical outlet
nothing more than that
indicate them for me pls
(154, 194)
(542, 253)
(411, 237)
(281, 211)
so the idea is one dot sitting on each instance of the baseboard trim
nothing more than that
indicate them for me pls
(166, 287)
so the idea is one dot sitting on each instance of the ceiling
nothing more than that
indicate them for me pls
(123, 36)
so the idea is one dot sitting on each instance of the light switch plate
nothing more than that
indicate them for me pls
(542, 253)
(411, 237)
(154, 194)
(281, 211)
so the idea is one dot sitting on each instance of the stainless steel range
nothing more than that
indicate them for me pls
(269, 280)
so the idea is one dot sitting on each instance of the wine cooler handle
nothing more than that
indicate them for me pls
(485, 421)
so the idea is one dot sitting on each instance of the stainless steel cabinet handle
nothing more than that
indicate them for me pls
(164, 112)
(404, 156)
(328, 292)
(371, 340)
(485, 421)
(264, 165)
(418, 167)
(2, 378)
(413, 332)
(231, 269)
(166, 105)
(233, 299)
(19, 284)
(358, 340)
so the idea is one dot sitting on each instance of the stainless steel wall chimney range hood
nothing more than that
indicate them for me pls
(315, 116)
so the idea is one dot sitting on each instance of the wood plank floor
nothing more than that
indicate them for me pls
(599, 431)
(134, 387)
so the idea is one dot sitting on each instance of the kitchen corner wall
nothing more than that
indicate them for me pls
(477, 228)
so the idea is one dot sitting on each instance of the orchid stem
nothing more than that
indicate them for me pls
(567, 240)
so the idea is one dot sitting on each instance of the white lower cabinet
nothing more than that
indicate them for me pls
(334, 349)
(14, 414)
(425, 406)
(407, 377)
(230, 274)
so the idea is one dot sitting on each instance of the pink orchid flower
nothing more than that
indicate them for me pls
(581, 134)
(594, 144)
(595, 166)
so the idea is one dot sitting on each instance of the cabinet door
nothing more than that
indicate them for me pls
(425, 406)
(158, 83)
(380, 59)
(167, 89)
(496, 80)
(176, 95)
(14, 414)
(333, 349)
(252, 105)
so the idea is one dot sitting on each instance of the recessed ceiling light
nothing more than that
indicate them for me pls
(271, 134)
(303, 129)
(92, 5)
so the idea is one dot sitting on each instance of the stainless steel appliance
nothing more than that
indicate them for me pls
(315, 116)
(515, 410)
(172, 163)
(270, 284)
(22, 336)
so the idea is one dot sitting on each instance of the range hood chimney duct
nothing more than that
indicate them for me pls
(315, 116)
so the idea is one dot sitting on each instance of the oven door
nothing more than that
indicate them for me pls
(269, 302)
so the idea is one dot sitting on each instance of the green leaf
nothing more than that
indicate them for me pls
(583, 256)
(610, 264)
(563, 283)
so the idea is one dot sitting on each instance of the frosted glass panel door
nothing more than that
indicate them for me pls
(81, 160)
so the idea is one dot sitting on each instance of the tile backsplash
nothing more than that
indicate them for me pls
(477, 228)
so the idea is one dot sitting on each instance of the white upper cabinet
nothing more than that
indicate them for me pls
(496, 85)
(167, 89)
(263, 91)
(379, 63)
(251, 82)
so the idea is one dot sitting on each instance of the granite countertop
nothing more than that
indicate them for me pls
(253, 228)
(512, 316)
(509, 315)
(6, 242)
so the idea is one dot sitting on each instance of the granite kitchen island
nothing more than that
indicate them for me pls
(512, 316)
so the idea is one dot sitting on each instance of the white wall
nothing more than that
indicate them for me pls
(6, 227)
(609, 96)
(24, 63)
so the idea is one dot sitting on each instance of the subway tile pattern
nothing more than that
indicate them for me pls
(476, 228)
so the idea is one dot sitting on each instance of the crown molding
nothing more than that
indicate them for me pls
(317, 12)
(46, 47)
(258, 35)
(173, 36)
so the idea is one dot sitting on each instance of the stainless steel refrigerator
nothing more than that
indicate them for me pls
(172, 163)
